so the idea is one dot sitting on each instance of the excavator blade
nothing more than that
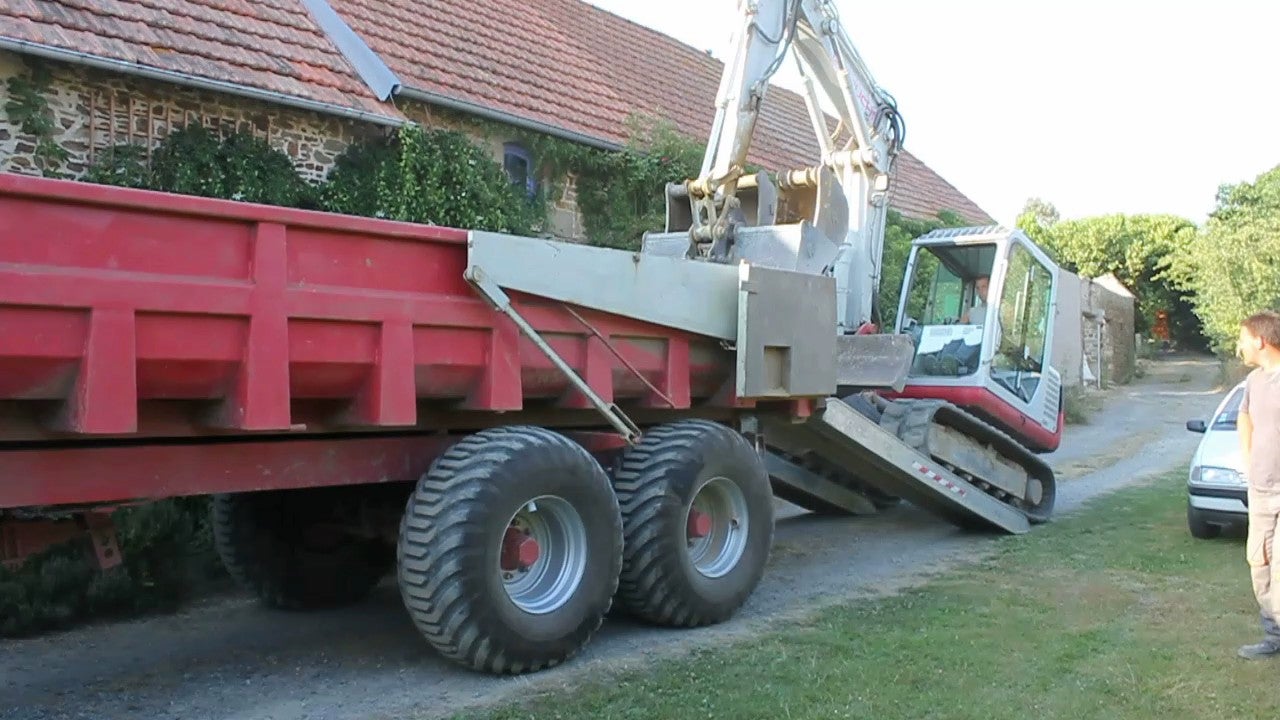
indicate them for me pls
(872, 362)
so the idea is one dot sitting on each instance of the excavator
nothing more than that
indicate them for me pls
(951, 405)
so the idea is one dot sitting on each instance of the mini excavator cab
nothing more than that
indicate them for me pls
(979, 306)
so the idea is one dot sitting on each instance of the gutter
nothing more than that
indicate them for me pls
(482, 111)
(137, 70)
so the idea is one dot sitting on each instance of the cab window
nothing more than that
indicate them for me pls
(1023, 324)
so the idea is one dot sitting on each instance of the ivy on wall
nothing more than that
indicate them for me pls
(28, 108)
(621, 194)
(430, 176)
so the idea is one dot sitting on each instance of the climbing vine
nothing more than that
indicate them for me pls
(430, 176)
(193, 160)
(28, 107)
(123, 165)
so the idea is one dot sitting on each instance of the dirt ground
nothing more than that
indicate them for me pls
(229, 659)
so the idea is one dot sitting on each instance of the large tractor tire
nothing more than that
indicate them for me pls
(286, 548)
(697, 511)
(510, 549)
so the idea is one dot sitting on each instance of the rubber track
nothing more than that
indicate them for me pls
(650, 572)
(910, 421)
(437, 554)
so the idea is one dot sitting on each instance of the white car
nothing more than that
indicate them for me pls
(1217, 496)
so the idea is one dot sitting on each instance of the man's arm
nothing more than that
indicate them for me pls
(1244, 428)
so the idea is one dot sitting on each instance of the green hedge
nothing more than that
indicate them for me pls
(168, 558)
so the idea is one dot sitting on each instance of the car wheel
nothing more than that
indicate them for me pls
(1199, 527)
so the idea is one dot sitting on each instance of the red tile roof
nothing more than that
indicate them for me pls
(272, 45)
(576, 67)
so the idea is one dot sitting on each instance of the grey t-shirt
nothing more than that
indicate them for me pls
(1262, 403)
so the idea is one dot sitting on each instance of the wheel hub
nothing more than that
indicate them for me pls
(542, 554)
(716, 528)
(519, 550)
(699, 525)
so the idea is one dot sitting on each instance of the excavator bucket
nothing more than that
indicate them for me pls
(872, 362)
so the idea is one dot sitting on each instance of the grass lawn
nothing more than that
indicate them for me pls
(1117, 613)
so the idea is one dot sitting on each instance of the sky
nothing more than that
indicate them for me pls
(1124, 106)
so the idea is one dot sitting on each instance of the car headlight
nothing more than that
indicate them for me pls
(1210, 476)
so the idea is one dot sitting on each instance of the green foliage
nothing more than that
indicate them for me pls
(1137, 249)
(168, 556)
(899, 232)
(622, 194)
(193, 160)
(28, 108)
(1232, 267)
(354, 184)
(432, 176)
(1038, 213)
(122, 165)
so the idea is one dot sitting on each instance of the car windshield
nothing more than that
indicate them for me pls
(1226, 420)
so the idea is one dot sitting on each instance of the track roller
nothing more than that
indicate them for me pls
(510, 549)
(976, 451)
(698, 517)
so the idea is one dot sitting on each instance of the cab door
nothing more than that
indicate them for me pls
(1021, 327)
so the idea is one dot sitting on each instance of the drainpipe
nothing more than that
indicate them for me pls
(128, 68)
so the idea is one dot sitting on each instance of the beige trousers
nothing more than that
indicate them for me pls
(1260, 550)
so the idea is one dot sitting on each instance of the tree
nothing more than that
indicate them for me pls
(1041, 212)
(1137, 249)
(1232, 267)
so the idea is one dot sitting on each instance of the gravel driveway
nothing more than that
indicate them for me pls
(226, 658)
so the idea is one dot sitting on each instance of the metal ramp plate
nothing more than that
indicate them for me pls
(800, 486)
(846, 437)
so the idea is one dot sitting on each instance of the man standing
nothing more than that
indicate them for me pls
(1259, 428)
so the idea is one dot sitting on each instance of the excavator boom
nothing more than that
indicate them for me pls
(826, 218)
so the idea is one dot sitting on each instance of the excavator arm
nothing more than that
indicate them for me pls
(828, 217)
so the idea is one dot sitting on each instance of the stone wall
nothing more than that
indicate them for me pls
(95, 110)
(1107, 311)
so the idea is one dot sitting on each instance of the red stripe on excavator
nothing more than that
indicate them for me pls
(940, 480)
(1023, 428)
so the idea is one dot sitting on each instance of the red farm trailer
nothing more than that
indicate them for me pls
(524, 431)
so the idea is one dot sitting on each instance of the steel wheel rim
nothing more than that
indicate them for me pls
(561, 536)
(718, 552)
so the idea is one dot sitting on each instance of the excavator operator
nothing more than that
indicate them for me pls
(977, 314)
